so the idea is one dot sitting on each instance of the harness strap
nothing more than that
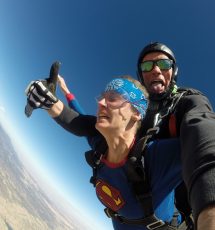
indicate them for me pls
(151, 222)
(172, 125)
(141, 188)
(137, 152)
(189, 222)
(93, 158)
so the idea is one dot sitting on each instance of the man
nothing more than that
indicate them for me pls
(185, 113)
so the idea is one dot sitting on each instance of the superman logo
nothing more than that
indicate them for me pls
(109, 196)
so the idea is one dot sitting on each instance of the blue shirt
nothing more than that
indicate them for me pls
(162, 162)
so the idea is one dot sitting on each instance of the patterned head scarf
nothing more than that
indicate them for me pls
(135, 95)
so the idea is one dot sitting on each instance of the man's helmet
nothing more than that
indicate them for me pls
(158, 47)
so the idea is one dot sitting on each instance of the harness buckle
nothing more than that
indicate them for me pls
(153, 131)
(155, 225)
(110, 213)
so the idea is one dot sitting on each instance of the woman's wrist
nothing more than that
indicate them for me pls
(69, 97)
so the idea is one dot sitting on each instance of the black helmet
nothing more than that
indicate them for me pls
(158, 47)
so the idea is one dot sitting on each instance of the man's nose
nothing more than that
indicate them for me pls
(156, 69)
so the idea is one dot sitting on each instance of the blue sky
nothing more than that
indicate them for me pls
(95, 40)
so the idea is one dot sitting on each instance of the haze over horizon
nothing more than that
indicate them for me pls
(24, 204)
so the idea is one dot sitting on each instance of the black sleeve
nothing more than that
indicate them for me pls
(197, 135)
(78, 124)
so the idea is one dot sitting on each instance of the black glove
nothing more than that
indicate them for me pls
(39, 96)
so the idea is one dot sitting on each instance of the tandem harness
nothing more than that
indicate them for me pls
(138, 178)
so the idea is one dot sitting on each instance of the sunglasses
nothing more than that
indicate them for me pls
(113, 99)
(163, 64)
(116, 100)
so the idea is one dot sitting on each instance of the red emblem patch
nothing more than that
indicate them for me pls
(109, 196)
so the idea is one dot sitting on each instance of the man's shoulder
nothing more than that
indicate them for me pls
(193, 98)
(189, 91)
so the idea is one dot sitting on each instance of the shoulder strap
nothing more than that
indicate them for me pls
(172, 125)
(172, 119)
(93, 158)
(137, 175)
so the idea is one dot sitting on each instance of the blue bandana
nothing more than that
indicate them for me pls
(136, 96)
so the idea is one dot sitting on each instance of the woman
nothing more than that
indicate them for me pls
(121, 108)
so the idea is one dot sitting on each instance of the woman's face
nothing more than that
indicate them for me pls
(112, 119)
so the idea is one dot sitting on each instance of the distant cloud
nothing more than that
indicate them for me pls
(2, 109)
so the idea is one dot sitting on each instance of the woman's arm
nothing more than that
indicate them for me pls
(40, 97)
(70, 97)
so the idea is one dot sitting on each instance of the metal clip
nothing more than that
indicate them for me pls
(155, 225)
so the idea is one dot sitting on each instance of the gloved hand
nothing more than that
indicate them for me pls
(39, 96)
